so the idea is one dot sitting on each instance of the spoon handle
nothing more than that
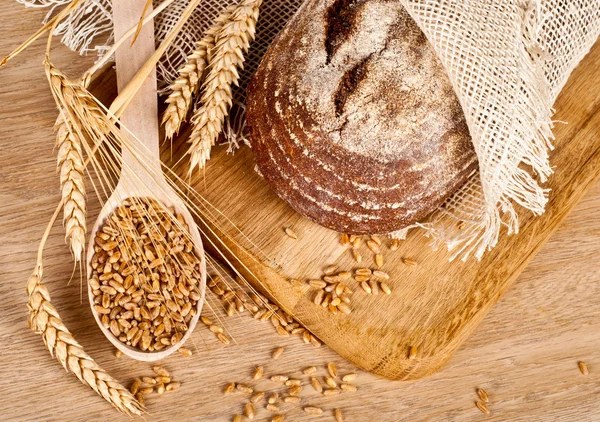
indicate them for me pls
(141, 168)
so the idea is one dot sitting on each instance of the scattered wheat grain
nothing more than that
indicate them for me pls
(257, 397)
(291, 233)
(313, 410)
(409, 261)
(316, 384)
(249, 408)
(483, 407)
(332, 369)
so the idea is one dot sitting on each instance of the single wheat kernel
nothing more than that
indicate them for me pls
(295, 391)
(332, 369)
(395, 245)
(365, 286)
(282, 331)
(319, 284)
(316, 384)
(344, 308)
(258, 373)
(135, 386)
(345, 240)
(412, 352)
(185, 352)
(249, 411)
(483, 407)
(356, 242)
(483, 395)
(278, 418)
(376, 239)
(363, 271)
(385, 288)
(319, 297)
(310, 370)
(291, 233)
(277, 353)
(335, 302)
(272, 408)
(160, 388)
(379, 260)
(229, 388)
(223, 338)
(348, 387)
(315, 341)
(329, 270)
(140, 399)
(330, 382)
(273, 398)
(382, 275)
(257, 397)
(173, 386)
(215, 329)
(374, 287)
(313, 410)
(331, 392)
(409, 261)
(148, 380)
(237, 418)
(159, 370)
(279, 378)
(344, 275)
(583, 368)
(374, 247)
(357, 257)
(339, 417)
(292, 399)
(118, 353)
(243, 388)
(349, 377)
(292, 382)
(163, 379)
(146, 390)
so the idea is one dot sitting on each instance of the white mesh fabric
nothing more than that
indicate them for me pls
(507, 61)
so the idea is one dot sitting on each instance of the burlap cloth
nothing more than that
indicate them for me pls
(507, 60)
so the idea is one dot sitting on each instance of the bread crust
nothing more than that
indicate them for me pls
(353, 120)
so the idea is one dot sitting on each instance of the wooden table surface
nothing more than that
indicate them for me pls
(524, 354)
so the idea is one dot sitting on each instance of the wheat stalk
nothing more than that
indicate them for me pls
(233, 41)
(185, 87)
(45, 320)
(70, 166)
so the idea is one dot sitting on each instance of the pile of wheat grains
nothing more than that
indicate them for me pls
(145, 275)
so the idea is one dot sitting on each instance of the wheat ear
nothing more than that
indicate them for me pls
(70, 167)
(185, 87)
(233, 41)
(45, 320)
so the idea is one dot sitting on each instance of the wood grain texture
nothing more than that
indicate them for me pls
(525, 352)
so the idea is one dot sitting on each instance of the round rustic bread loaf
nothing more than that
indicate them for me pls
(353, 120)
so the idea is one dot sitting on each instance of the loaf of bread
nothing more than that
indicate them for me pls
(353, 120)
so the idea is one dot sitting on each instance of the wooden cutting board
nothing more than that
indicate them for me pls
(435, 305)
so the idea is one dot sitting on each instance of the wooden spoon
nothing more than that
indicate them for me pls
(141, 175)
